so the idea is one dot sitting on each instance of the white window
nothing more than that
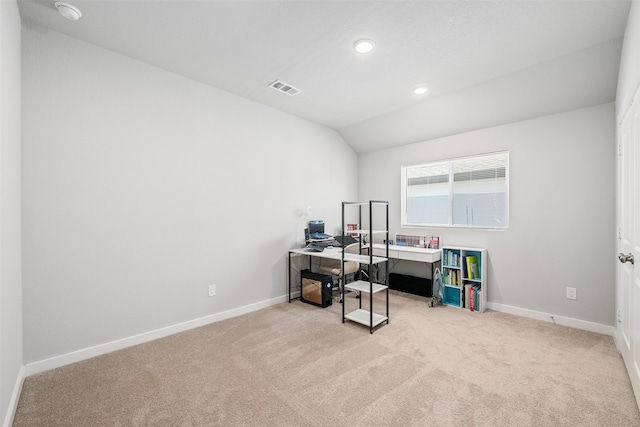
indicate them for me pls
(467, 192)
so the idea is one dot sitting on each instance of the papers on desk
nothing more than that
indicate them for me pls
(312, 247)
(430, 242)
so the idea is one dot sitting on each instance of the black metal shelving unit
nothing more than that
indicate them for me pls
(367, 317)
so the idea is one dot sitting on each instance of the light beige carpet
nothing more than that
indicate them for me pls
(298, 365)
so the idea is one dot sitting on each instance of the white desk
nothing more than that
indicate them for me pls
(336, 253)
(431, 257)
(398, 252)
(330, 253)
(406, 253)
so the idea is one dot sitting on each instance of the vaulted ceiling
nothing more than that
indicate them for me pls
(485, 63)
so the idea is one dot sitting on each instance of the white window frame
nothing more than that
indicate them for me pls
(450, 163)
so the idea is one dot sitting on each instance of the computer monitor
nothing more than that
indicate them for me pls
(316, 228)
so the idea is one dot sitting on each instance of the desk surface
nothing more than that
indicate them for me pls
(331, 253)
(408, 253)
(336, 253)
(396, 252)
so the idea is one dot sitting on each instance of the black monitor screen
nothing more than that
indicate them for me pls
(316, 227)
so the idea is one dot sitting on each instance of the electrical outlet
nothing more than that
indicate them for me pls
(212, 290)
(572, 293)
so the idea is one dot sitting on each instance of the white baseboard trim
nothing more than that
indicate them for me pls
(15, 396)
(553, 318)
(98, 350)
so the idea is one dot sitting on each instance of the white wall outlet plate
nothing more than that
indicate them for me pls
(212, 290)
(572, 293)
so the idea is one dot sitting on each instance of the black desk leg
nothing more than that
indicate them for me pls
(289, 277)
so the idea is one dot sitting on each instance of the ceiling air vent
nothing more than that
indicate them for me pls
(285, 88)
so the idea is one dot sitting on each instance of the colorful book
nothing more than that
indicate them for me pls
(467, 294)
(472, 267)
(433, 242)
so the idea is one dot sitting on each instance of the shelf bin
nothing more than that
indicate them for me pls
(451, 296)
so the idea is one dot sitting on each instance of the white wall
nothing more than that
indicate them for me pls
(141, 188)
(562, 209)
(629, 76)
(11, 372)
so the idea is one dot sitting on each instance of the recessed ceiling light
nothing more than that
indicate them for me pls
(420, 90)
(69, 11)
(364, 46)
